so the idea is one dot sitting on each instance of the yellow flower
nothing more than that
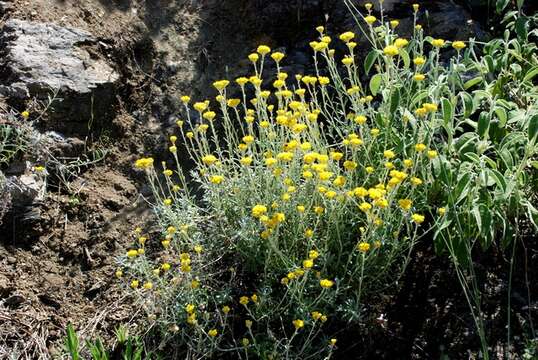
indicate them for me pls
(195, 284)
(189, 308)
(221, 84)
(263, 50)
(419, 77)
(417, 218)
(165, 266)
(368, 6)
(148, 285)
(365, 206)
(247, 160)
(415, 7)
(309, 233)
(25, 114)
(348, 60)
(248, 323)
(270, 161)
(307, 264)
(144, 163)
(319, 210)
(458, 45)
(200, 106)
(209, 159)
(416, 181)
(248, 139)
(360, 119)
(243, 300)
(241, 81)
(350, 165)
(432, 154)
(185, 99)
(420, 147)
(285, 156)
(277, 56)
(347, 36)
(233, 102)
(326, 283)
(316, 315)
(363, 247)
(216, 179)
(245, 342)
(212, 332)
(389, 154)
(332, 341)
(132, 253)
(374, 132)
(134, 284)
(391, 50)
(430, 107)
(298, 324)
(419, 60)
(394, 23)
(259, 210)
(225, 309)
(418, 27)
(370, 19)
(189, 134)
(253, 57)
(313, 254)
(405, 204)
(438, 43)
(119, 273)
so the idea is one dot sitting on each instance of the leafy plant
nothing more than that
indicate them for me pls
(309, 198)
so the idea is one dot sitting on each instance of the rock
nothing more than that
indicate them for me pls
(25, 189)
(43, 58)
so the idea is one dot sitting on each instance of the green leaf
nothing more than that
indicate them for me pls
(483, 124)
(375, 83)
(522, 28)
(448, 111)
(520, 4)
(501, 114)
(418, 98)
(490, 63)
(394, 100)
(462, 188)
(533, 128)
(531, 74)
(71, 343)
(467, 102)
(470, 83)
(499, 179)
(533, 214)
(483, 218)
(370, 60)
(405, 57)
(501, 5)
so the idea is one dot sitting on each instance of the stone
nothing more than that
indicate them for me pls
(43, 60)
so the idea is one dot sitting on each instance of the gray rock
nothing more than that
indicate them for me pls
(25, 189)
(41, 59)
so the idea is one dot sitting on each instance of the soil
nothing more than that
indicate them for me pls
(60, 269)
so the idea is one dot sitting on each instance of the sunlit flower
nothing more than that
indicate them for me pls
(417, 218)
(363, 247)
(298, 324)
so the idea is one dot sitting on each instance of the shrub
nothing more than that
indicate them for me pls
(307, 198)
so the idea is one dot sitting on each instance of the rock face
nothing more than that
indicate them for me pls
(43, 59)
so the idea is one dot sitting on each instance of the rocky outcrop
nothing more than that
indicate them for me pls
(44, 60)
